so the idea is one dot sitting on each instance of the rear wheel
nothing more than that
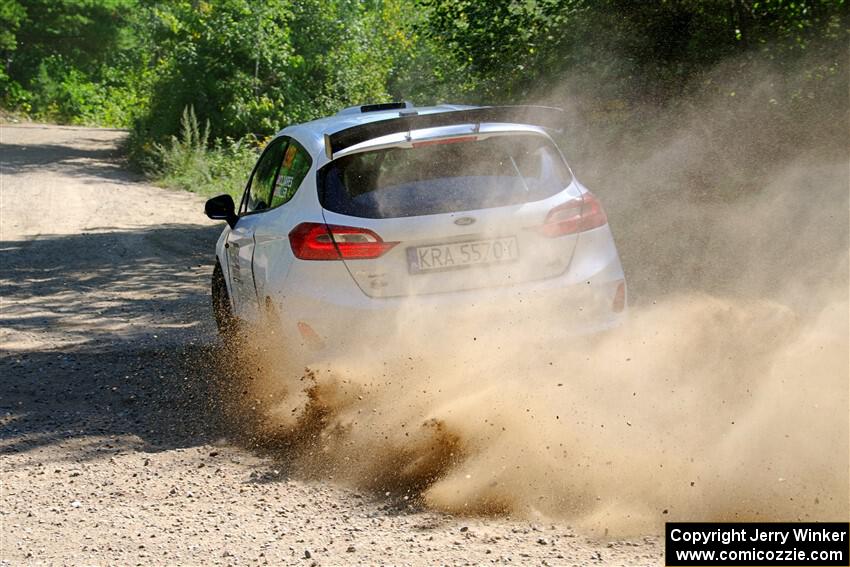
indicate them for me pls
(222, 308)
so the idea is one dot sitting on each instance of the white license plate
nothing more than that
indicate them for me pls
(439, 257)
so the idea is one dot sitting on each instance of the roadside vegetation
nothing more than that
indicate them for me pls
(201, 84)
(188, 160)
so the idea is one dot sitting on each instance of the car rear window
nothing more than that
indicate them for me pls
(444, 176)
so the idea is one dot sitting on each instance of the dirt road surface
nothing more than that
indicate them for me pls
(113, 448)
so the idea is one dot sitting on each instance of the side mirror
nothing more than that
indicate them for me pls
(222, 208)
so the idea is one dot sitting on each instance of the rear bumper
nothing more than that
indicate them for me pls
(579, 302)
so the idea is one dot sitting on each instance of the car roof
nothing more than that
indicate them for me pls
(312, 134)
(351, 116)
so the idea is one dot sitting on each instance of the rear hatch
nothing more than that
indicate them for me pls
(451, 214)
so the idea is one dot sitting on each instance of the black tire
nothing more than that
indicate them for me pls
(222, 308)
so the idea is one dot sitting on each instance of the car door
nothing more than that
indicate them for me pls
(240, 242)
(272, 255)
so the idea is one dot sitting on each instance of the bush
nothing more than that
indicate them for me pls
(188, 162)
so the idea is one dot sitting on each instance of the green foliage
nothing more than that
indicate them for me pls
(512, 49)
(85, 33)
(11, 16)
(208, 57)
(185, 152)
(249, 68)
(72, 60)
(255, 67)
(188, 162)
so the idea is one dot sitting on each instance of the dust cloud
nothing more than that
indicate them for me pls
(724, 396)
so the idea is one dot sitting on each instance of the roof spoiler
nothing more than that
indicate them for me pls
(543, 116)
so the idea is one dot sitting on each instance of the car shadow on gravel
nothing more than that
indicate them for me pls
(109, 285)
(109, 342)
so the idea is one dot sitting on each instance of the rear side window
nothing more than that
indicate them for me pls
(260, 188)
(277, 176)
(296, 164)
(442, 177)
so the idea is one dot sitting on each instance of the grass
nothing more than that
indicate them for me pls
(189, 162)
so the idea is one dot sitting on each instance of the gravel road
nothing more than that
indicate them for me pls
(114, 448)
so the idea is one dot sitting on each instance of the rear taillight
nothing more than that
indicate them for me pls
(317, 241)
(575, 216)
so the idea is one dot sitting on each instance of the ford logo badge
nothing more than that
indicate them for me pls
(464, 221)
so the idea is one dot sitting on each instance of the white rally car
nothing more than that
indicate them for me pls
(388, 218)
